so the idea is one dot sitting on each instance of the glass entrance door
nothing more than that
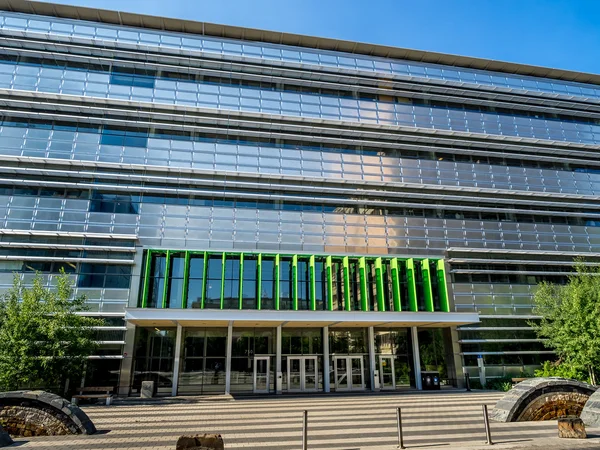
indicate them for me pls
(348, 373)
(387, 375)
(262, 371)
(302, 373)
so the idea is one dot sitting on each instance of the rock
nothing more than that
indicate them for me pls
(591, 411)
(571, 427)
(5, 439)
(200, 441)
(147, 390)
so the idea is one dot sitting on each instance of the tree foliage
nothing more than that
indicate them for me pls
(43, 339)
(571, 319)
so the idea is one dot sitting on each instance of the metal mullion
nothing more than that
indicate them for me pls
(380, 286)
(364, 292)
(346, 270)
(223, 261)
(165, 292)
(259, 281)
(295, 282)
(147, 278)
(328, 268)
(276, 281)
(241, 276)
(442, 286)
(186, 280)
(412, 284)
(204, 273)
(396, 284)
(312, 283)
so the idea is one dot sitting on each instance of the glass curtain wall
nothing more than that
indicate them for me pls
(153, 359)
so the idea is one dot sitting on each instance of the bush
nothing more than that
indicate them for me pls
(503, 384)
(563, 369)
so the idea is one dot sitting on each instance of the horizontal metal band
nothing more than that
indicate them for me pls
(89, 248)
(67, 234)
(60, 259)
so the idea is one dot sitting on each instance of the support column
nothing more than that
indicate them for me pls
(228, 358)
(278, 374)
(371, 337)
(326, 386)
(416, 357)
(176, 360)
(127, 361)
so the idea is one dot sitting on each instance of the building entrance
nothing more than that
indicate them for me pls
(387, 374)
(348, 373)
(302, 373)
(262, 371)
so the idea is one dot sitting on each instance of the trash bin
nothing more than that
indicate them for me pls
(147, 390)
(430, 381)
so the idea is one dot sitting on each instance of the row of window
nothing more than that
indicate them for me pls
(295, 282)
(62, 133)
(445, 117)
(104, 32)
(129, 204)
(508, 278)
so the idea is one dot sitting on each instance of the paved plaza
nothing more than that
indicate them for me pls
(449, 419)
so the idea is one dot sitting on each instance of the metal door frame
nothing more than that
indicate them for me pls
(302, 359)
(268, 374)
(391, 358)
(349, 385)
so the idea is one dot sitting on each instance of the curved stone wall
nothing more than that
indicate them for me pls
(39, 413)
(542, 399)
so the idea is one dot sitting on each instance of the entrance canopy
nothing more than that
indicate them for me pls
(270, 318)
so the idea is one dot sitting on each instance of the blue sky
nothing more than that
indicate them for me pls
(555, 33)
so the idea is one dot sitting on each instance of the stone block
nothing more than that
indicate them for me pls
(571, 427)
(200, 441)
(591, 411)
(5, 439)
(147, 390)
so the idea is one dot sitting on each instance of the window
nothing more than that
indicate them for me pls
(267, 283)
(213, 282)
(196, 276)
(320, 285)
(231, 284)
(303, 285)
(104, 276)
(249, 284)
(126, 138)
(176, 267)
(114, 203)
(285, 283)
(337, 281)
(371, 285)
(131, 79)
(156, 283)
(355, 297)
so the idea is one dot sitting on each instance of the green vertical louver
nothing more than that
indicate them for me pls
(147, 271)
(259, 281)
(396, 284)
(165, 292)
(223, 262)
(276, 282)
(380, 285)
(312, 283)
(346, 269)
(412, 284)
(427, 292)
(186, 280)
(442, 287)
(362, 276)
(295, 282)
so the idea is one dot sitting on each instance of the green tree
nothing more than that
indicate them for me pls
(43, 339)
(571, 319)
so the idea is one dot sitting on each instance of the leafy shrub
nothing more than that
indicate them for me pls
(563, 369)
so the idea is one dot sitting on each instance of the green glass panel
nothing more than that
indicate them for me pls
(427, 293)
(442, 286)
(364, 294)
(412, 284)
(396, 284)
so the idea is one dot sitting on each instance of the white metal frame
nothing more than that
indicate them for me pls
(302, 361)
(349, 385)
(267, 375)
(381, 383)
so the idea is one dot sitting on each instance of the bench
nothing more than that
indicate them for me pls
(518, 380)
(107, 394)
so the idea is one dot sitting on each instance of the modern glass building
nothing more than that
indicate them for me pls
(262, 212)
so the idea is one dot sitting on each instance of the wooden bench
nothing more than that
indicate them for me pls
(107, 394)
(518, 380)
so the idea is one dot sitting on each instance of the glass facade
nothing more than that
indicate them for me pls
(230, 176)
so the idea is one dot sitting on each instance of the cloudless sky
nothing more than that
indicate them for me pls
(555, 33)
